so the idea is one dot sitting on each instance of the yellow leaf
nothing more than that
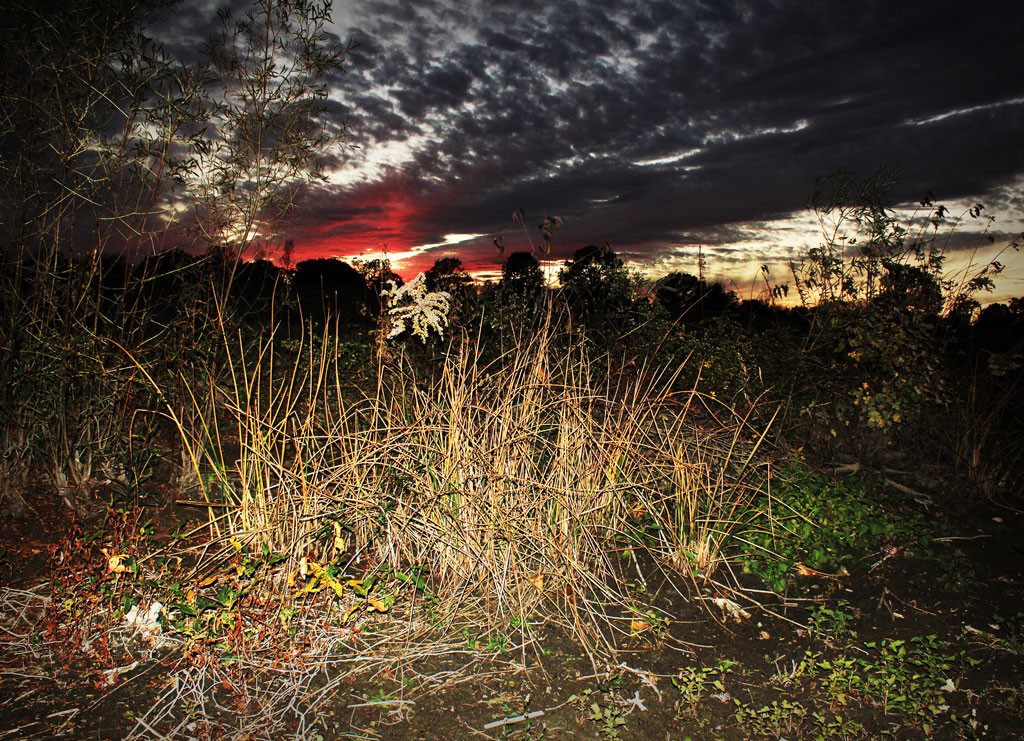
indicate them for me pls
(351, 611)
(376, 604)
(115, 563)
(291, 580)
(336, 585)
(235, 543)
(355, 582)
(313, 587)
(207, 581)
(638, 626)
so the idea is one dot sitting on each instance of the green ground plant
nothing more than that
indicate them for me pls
(774, 720)
(810, 521)
(602, 711)
(830, 622)
(908, 679)
(696, 683)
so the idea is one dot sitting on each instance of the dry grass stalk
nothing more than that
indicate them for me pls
(512, 485)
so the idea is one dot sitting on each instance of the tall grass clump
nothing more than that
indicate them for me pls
(512, 487)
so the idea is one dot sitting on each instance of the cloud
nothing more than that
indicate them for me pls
(655, 125)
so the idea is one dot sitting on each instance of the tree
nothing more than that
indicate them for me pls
(92, 116)
(521, 274)
(596, 283)
(104, 140)
(266, 134)
(447, 274)
(377, 274)
(91, 113)
(687, 296)
(329, 286)
(256, 284)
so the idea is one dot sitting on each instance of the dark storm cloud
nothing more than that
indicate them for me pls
(667, 122)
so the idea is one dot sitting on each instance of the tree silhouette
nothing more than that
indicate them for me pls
(377, 274)
(448, 275)
(330, 287)
(255, 284)
(521, 274)
(596, 284)
(265, 133)
(688, 297)
(910, 288)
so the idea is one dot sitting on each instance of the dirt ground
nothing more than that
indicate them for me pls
(916, 645)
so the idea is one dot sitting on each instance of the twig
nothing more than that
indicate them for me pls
(514, 719)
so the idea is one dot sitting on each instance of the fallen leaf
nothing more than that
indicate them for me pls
(638, 626)
(730, 608)
(115, 563)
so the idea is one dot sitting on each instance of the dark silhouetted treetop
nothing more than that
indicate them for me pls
(521, 274)
(447, 274)
(376, 274)
(596, 281)
(909, 287)
(999, 328)
(255, 283)
(328, 285)
(687, 296)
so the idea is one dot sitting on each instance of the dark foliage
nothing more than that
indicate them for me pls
(330, 287)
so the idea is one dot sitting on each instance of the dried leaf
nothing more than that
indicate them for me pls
(730, 608)
(804, 571)
(115, 563)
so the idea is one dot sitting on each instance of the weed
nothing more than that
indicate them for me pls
(830, 622)
(1010, 636)
(778, 718)
(607, 715)
(904, 677)
(812, 522)
(694, 683)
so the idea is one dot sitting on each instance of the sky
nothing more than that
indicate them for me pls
(665, 129)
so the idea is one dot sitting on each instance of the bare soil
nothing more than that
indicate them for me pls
(968, 595)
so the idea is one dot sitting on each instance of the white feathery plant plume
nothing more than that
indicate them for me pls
(412, 307)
